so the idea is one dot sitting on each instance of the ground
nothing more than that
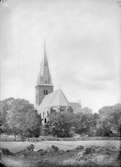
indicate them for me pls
(65, 145)
(66, 152)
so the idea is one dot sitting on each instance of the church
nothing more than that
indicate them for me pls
(48, 100)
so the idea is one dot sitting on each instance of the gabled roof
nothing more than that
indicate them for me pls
(44, 76)
(54, 99)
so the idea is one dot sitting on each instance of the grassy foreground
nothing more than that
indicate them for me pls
(63, 145)
(82, 155)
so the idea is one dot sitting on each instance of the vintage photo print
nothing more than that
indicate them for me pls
(60, 83)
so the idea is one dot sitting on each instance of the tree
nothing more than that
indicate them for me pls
(109, 121)
(5, 106)
(65, 124)
(22, 119)
(60, 124)
(86, 111)
(82, 124)
(85, 122)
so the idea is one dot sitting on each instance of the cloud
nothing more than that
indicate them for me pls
(83, 43)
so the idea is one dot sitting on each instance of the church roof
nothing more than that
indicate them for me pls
(54, 99)
(44, 76)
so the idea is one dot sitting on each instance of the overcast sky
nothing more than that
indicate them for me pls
(82, 43)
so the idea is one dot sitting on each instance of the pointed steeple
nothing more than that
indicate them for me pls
(44, 77)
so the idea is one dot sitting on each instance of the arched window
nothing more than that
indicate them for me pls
(45, 92)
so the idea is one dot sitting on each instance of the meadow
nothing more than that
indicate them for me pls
(64, 145)
(66, 154)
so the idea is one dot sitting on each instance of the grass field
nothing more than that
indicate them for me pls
(62, 158)
(64, 145)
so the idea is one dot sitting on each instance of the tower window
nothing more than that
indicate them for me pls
(45, 92)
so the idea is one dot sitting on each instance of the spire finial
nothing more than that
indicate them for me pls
(44, 48)
(44, 43)
(44, 75)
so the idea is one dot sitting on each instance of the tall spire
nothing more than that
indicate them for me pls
(44, 74)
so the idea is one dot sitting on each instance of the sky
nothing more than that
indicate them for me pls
(82, 44)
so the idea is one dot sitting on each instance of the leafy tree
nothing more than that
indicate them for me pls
(85, 122)
(109, 121)
(5, 106)
(60, 124)
(82, 124)
(65, 124)
(86, 111)
(22, 119)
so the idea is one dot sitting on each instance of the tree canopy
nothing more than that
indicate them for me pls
(109, 121)
(18, 116)
(21, 117)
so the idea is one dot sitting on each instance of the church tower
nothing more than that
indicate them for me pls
(44, 84)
